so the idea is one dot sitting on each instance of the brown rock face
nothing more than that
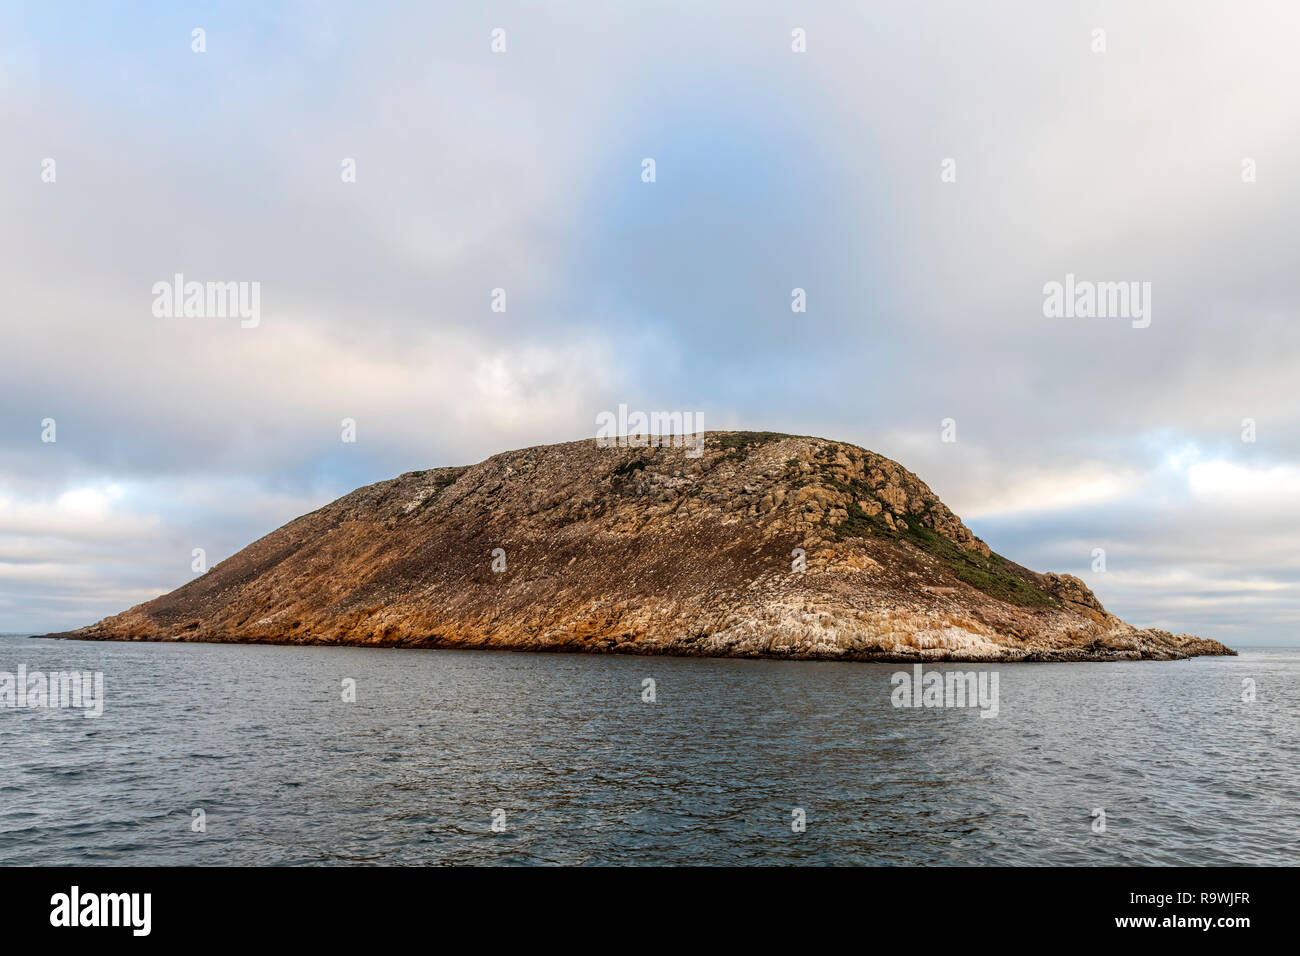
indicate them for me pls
(765, 545)
(1074, 594)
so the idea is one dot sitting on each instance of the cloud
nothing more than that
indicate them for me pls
(775, 170)
(1227, 482)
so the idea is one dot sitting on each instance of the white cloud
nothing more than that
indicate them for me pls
(522, 171)
(1243, 486)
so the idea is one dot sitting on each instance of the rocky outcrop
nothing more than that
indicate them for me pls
(765, 545)
(1074, 594)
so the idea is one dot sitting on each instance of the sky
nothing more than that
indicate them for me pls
(922, 171)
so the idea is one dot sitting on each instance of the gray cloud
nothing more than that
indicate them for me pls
(775, 170)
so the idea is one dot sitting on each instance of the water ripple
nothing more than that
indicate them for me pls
(286, 772)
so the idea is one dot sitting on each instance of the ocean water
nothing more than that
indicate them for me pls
(715, 770)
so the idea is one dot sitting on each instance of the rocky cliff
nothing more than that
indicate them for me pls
(765, 545)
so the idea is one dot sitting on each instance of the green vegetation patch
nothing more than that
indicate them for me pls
(994, 575)
(742, 440)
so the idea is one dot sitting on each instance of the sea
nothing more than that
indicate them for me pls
(226, 754)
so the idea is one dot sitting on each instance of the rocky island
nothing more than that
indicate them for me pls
(764, 545)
